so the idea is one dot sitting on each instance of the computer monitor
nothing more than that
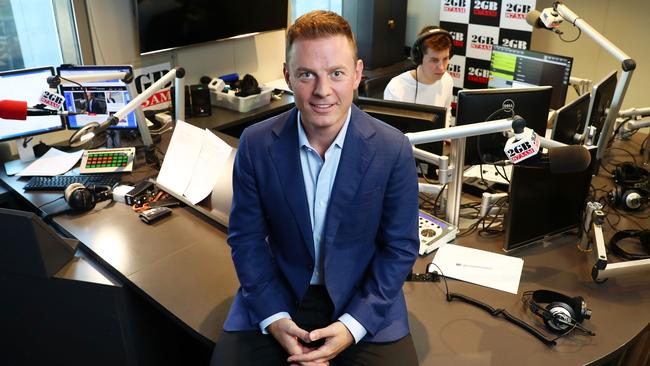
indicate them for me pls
(96, 100)
(516, 68)
(601, 98)
(480, 105)
(542, 204)
(27, 85)
(408, 117)
(570, 121)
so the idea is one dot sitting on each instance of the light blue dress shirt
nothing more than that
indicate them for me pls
(319, 177)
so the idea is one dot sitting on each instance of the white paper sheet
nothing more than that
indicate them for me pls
(193, 161)
(483, 268)
(214, 153)
(184, 148)
(53, 162)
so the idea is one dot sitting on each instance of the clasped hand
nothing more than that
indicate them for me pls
(287, 333)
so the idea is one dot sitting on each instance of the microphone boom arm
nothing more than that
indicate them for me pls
(627, 66)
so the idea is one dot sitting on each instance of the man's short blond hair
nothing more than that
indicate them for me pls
(319, 24)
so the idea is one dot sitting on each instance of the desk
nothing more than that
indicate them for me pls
(233, 123)
(182, 265)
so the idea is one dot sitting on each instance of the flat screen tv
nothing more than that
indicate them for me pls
(167, 24)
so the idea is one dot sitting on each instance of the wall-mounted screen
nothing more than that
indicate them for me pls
(167, 24)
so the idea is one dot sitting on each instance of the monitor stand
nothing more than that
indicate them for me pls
(25, 154)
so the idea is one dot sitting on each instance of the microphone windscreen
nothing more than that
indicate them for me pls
(568, 159)
(532, 17)
(205, 80)
(13, 109)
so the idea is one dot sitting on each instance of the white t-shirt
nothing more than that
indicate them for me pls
(401, 88)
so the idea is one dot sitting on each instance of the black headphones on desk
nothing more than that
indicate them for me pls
(631, 187)
(81, 198)
(562, 314)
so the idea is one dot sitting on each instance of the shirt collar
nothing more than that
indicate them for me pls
(338, 141)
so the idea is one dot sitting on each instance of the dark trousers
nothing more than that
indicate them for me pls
(251, 348)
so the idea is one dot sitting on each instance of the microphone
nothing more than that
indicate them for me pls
(568, 159)
(546, 19)
(524, 144)
(532, 18)
(15, 109)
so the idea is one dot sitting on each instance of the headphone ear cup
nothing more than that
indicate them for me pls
(615, 196)
(561, 317)
(78, 197)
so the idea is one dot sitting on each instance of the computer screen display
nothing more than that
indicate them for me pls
(516, 68)
(534, 209)
(601, 98)
(408, 117)
(95, 100)
(27, 85)
(480, 105)
(570, 121)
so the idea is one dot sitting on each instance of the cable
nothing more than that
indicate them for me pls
(451, 296)
(415, 100)
(47, 203)
(572, 40)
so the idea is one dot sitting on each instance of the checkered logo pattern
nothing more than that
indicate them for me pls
(475, 25)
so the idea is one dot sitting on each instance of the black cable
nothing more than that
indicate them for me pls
(82, 88)
(451, 296)
(572, 40)
(47, 203)
(478, 138)
(435, 203)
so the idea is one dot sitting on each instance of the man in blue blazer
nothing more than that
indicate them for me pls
(324, 217)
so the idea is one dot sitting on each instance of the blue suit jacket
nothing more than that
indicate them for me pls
(370, 236)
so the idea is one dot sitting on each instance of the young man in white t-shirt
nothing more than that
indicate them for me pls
(429, 83)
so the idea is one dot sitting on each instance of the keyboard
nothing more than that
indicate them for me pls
(60, 182)
(107, 160)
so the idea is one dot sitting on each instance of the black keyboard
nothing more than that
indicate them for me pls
(59, 182)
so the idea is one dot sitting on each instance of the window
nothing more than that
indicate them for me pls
(300, 7)
(36, 33)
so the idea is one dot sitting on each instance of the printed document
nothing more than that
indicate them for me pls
(483, 268)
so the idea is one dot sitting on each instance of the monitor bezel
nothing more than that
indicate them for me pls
(99, 68)
(62, 125)
(596, 94)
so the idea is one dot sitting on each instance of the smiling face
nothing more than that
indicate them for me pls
(323, 74)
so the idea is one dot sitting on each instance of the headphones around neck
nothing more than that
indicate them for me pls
(562, 314)
(81, 198)
(417, 53)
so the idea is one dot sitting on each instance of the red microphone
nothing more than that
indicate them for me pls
(16, 109)
(13, 109)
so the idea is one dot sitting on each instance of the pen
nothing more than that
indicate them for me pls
(472, 266)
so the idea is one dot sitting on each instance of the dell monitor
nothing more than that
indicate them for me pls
(408, 117)
(27, 85)
(516, 68)
(95, 100)
(570, 121)
(481, 105)
(601, 98)
(542, 204)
